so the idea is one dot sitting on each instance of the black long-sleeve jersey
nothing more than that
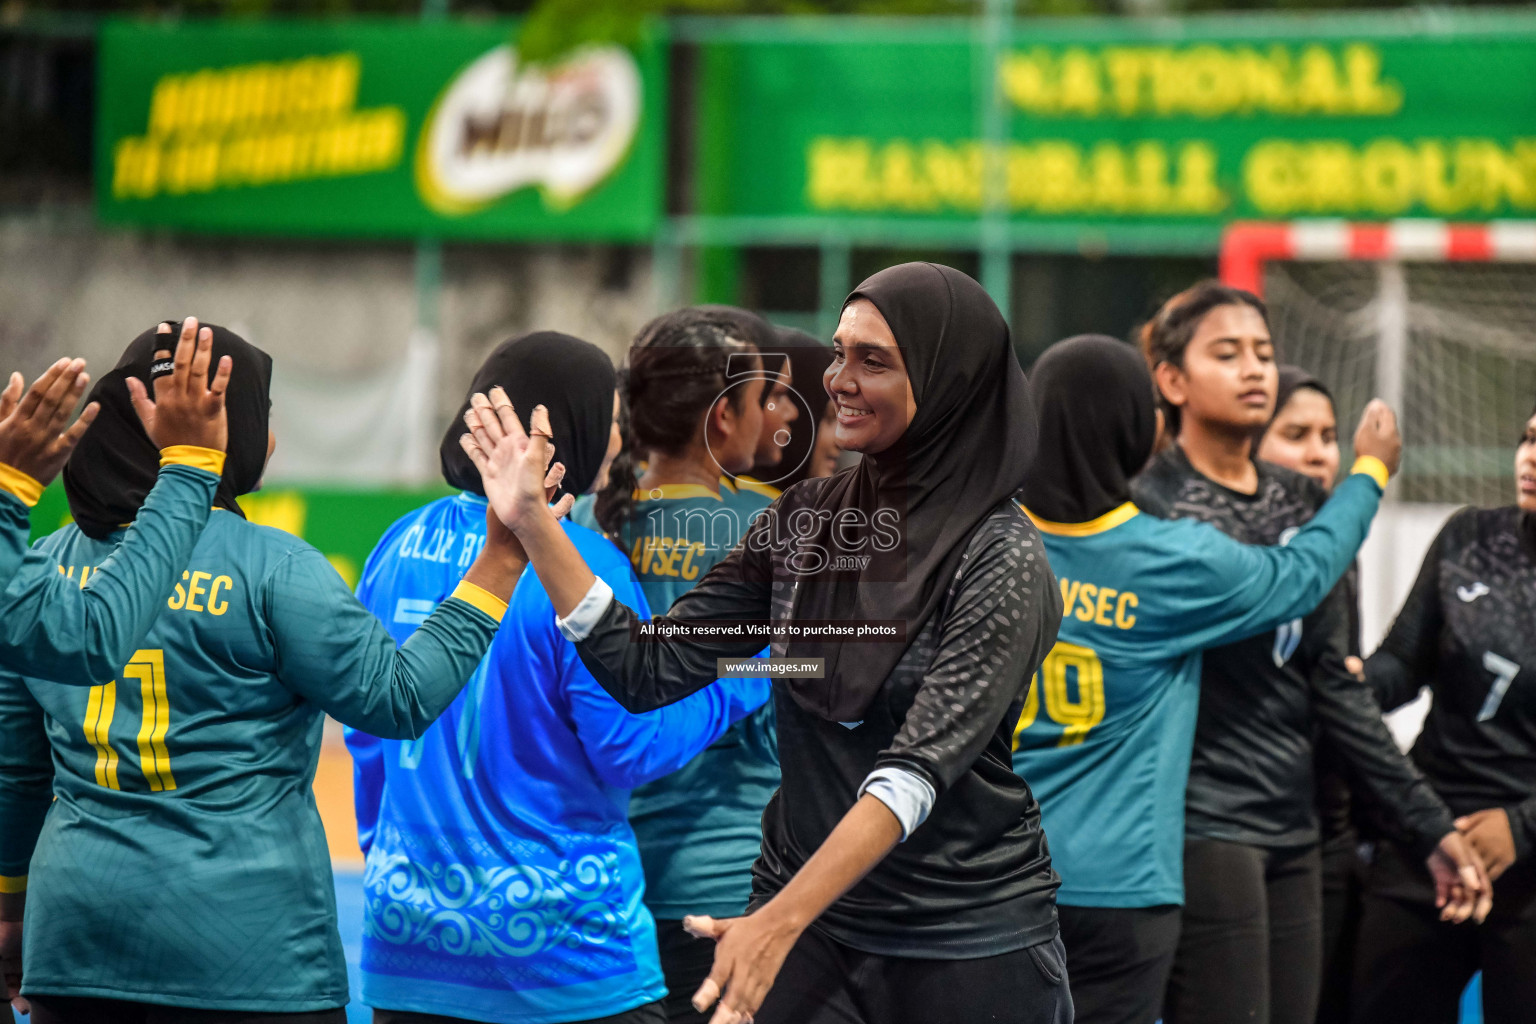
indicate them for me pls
(1468, 632)
(975, 879)
(1338, 813)
(1262, 700)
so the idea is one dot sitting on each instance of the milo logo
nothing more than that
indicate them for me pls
(499, 127)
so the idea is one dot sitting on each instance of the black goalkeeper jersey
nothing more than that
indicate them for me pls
(1338, 812)
(975, 879)
(1264, 700)
(1468, 632)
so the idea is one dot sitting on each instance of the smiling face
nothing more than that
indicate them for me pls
(868, 381)
(1229, 377)
(1305, 437)
(1525, 468)
(778, 414)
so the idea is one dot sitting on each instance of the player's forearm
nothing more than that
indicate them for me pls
(496, 571)
(1351, 720)
(1391, 680)
(631, 750)
(15, 529)
(564, 574)
(431, 667)
(1313, 560)
(865, 836)
(52, 628)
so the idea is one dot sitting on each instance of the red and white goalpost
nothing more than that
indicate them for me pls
(1438, 319)
(1443, 313)
(1247, 246)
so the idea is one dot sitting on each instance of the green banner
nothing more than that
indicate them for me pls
(1115, 122)
(344, 525)
(375, 128)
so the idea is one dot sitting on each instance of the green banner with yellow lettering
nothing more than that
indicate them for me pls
(376, 128)
(1113, 122)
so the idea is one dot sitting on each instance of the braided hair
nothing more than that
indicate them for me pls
(679, 366)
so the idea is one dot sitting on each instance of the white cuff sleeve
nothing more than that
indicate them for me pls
(577, 626)
(909, 796)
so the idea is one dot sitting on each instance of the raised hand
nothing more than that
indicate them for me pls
(1462, 888)
(1378, 435)
(187, 409)
(32, 435)
(514, 464)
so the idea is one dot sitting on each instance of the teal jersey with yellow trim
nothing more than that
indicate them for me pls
(183, 861)
(677, 532)
(700, 828)
(1105, 736)
(58, 629)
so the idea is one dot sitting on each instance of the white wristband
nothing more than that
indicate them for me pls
(909, 796)
(578, 625)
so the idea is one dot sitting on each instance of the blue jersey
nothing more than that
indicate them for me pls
(700, 829)
(1105, 736)
(502, 876)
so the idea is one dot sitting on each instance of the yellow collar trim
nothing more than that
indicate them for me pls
(674, 491)
(1108, 521)
(747, 483)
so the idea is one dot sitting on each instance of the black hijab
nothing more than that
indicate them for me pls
(1098, 421)
(967, 450)
(115, 464)
(1292, 380)
(808, 359)
(572, 378)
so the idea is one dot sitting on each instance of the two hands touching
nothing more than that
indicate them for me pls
(187, 408)
(520, 485)
(520, 482)
(1463, 887)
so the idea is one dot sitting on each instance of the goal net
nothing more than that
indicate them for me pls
(1452, 346)
(1437, 319)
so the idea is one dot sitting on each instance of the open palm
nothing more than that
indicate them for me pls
(514, 464)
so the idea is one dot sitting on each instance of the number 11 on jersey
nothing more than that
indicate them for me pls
(148, 667)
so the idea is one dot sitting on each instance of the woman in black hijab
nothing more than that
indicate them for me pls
(1098, 423)
(210, 812)
(565, 372)
(905, 739)
(114, 466)
(1108, 759)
